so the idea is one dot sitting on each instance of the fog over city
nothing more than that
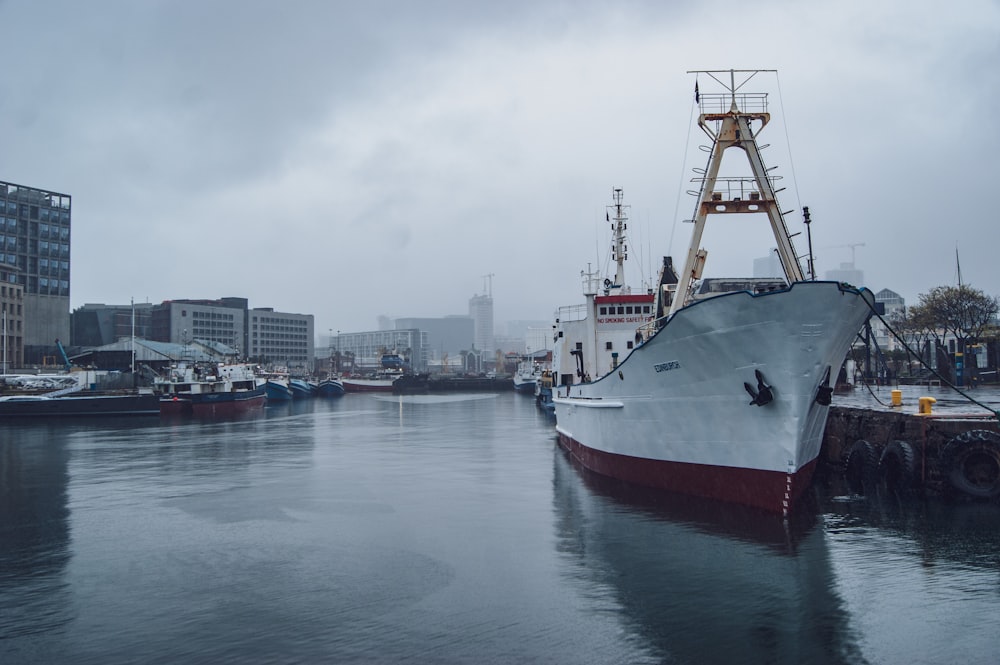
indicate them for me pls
(351, 160)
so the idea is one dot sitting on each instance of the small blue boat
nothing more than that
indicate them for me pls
(278, 390)
(331, 388)
(301, 388)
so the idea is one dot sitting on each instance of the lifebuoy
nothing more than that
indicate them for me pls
(860, 466)
(897, 467)
(972, 462)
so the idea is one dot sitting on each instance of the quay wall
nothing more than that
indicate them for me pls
(932, 453)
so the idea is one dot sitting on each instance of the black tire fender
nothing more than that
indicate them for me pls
(860, 466)
(897, 467)
(972, 462)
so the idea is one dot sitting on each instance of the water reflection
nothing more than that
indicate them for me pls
(919, 577)
(34, 530)
(700, 581)
(938, 531)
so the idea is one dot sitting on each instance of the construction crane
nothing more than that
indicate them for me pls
(65, 358)
(489, 289)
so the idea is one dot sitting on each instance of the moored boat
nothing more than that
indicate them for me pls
(331, 387)
(380, 382)
(78, 404)
(527, 375)
(391, 367)
(543, 393)
(301, 388)
(207, 389)
(277, 389)
(421, 384)
(719, 392)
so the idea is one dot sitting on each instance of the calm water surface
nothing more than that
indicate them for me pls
(451, 529)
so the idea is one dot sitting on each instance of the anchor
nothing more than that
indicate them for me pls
(762, 395)
(824, 394)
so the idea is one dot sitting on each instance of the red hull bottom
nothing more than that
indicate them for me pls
(772, 491)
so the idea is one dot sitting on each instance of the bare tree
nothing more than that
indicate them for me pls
(961, 310)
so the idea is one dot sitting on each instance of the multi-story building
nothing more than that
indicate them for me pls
(892, 303)
(260, 334)
(12, 315)
(180, 321)
(278, 338)
(481, 311)
(362, 351)
(35, 237)
(447, 335)
(95, 325)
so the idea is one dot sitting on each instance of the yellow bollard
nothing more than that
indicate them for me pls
(897, 398)
(925, 405)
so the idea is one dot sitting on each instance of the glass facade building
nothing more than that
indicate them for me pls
(35, 239)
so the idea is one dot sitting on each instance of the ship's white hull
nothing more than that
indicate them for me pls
(676, 414)
(352, 385)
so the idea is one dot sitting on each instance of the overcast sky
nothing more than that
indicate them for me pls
(352, 159)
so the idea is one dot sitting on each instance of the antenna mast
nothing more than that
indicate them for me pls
(619, 224)
(488, 289)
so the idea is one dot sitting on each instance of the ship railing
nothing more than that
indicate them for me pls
(573, 313)
(720, 102)
(735, 188)
(648, 329)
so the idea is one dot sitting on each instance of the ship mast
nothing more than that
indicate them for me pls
(619, 248)
(733, 128)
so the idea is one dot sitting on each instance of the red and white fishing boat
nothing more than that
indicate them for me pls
(210, 389)
(718, 392)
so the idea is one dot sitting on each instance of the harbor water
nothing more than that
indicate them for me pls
(452, 529)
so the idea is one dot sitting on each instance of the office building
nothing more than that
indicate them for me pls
(260, 334)
(481, 311)
(277, 338)
(362, 351)
(35, 237)
(446, 335)
(180, 321)
(11, 318)
(96, 324)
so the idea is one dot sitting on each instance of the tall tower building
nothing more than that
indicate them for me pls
(35, 237)
(481, 311)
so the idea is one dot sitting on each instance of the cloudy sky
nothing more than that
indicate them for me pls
(352, 159)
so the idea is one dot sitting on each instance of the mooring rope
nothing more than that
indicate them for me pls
(925, 365)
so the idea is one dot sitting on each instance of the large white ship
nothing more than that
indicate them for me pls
(717, 388)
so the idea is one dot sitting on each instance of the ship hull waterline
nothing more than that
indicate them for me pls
(769, 491)
(367, 385)
(675, 413)
(213, 404)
